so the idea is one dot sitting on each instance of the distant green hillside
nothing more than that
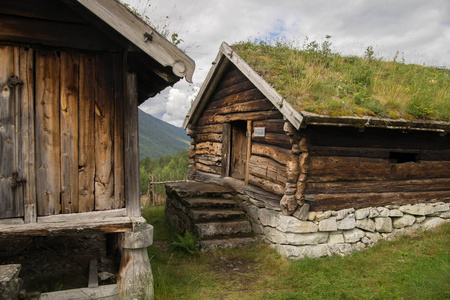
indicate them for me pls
(158, 138)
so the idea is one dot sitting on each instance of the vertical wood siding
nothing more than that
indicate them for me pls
(62, 131)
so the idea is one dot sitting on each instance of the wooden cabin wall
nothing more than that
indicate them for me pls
(349, 168)
(71, 120)
(237, 99)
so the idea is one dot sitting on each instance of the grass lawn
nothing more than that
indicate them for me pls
(413, 267)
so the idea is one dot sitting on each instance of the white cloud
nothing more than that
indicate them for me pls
(419, 30)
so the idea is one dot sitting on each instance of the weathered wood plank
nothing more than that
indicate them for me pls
(277, 139)
(336, 168)
(323, 202)
(69, 86)
(226, 149)
(377, 186)
(274, 126)
(209, 160)
(104, 133)
(131, 144)
(48, 146)
(243, 106)
(86, 141)
(208, 169)
(252, 116)
(266, 185)
(248, 151)
(224, 91)
(209, 148)
(52, 33)
(248, 95)
(26, 74)
(8, 208)
(119, 183)
(215, 128)
(208, 137)
(278, 154)
(238, 149)
(18, 160)
(267, 168)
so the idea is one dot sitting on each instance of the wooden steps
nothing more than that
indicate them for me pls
(209, 211)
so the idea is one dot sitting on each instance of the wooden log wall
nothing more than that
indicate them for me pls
(349, 168)
(237, 99)
(72, 104)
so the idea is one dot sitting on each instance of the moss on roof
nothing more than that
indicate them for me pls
(316, 80)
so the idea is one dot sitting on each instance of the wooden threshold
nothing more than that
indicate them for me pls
(71, 224)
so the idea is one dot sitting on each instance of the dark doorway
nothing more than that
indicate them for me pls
(238, 149)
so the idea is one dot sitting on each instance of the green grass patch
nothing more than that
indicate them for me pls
(412, 267)
(316, 80)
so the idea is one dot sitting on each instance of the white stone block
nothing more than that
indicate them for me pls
(383, 224)
(353, 236)
(311, 216)
(395, 213)
(329, 224)
(362, 213)
(299, 252)
(322, 216)
(341, 214)
(384, 212)
(347, 223)
(366, 224)
(291, 224)
(336, 238)
(374, 213)
(445, 215)
(406, 220)
(374, 236)
(268, 217)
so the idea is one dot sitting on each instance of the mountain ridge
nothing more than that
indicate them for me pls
(158, 138)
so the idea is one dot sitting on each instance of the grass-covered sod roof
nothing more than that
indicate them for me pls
(316, 80)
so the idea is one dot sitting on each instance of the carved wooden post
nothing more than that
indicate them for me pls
(288, 203)
(135, 279)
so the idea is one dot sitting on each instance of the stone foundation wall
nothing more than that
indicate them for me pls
(317, 234)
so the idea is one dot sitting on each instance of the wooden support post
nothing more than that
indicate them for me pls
(131, 142)
(249, 151)
(135, 279)
(93, 273)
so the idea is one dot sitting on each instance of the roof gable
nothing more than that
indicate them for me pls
(225, 56)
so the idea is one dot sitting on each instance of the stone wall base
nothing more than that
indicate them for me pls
(327, 233)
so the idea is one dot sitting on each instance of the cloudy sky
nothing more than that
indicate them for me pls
(419, 30)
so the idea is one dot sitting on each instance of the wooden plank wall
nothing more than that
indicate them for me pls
(79, 135)
(237, 99)
(356, 169)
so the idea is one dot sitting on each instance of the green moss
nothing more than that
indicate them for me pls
(316, 80)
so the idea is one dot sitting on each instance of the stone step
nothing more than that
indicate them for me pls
(209, 202)
(208, 245)
(197, 189)
(210, 215)
(224, 228)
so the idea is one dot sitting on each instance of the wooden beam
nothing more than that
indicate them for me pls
(131, 143)
(141, 35)
(226, 149)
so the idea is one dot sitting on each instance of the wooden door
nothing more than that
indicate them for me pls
(238, 149)
(11, 187)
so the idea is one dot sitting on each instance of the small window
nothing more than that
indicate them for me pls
(402, 157)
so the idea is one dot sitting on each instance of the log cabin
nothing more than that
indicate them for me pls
(247, 134)
(72, 73)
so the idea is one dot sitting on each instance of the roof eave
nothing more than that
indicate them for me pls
(141, 35)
